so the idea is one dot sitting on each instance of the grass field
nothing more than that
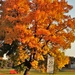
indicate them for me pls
(6, 72)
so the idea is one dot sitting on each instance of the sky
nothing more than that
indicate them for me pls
(71, 52)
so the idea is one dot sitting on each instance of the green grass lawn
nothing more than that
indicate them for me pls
(6, 72)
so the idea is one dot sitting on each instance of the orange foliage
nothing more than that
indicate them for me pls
(34, 64)
(41, 26)
(60, 59)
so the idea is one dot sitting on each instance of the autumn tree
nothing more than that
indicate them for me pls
(42, 27)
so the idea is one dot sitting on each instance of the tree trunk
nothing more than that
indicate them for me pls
(27, 63)
(26, 72)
